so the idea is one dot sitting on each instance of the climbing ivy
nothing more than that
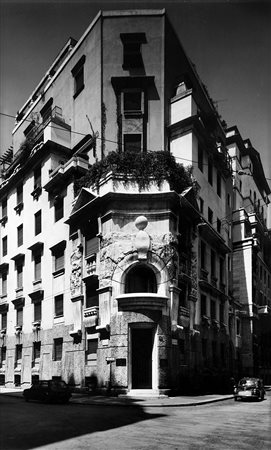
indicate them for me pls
(144, 168)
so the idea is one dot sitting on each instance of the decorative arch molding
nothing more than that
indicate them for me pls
(130, 261)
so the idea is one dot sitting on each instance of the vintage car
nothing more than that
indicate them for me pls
(48, 391)
(249, 388)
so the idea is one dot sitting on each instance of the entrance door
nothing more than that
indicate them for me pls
(142, 344)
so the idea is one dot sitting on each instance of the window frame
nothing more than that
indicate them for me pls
(38, 222)
(58, 306)
(78, 73)
(4, 246)
(20, 235)
(58, 349)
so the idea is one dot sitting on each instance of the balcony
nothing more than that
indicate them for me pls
(63, 171)
(91, 316)
(141, 300)
(90, 266)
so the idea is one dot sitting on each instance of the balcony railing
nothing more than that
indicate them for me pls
(36, 133)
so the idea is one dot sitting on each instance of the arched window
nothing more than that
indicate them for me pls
(140, 279)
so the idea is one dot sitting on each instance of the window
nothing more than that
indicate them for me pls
(46, 111)
(200, 158)
(37, 267)
(213, 309)
(20, 236)
(38, 223)
(17, 380)
(92, 298)
(132, 57)
(261, 273)
(132, 142)
(268, 283)
(222, 353)
(210, 215)
(213, 264)
(202, 254)
(58, 346)
(221, 270)
(3, 355)
(59, 260)
(19, 194)
(91, 350)
(203, 305)
(91, 246)
(132, 102)
(19, 269)
(4, 284)
(37, 311)
(36, 351)
(18, 352)
(140, 279)
(4, 246)
(218, 184)
(201, 205)
(59, 305)
(19, 317)
(240, 186)
(58, 252)
(4, 317)
(37, 177)
(4, 208)
(59, 208)
(78, 76)
(218, 225)
(221, 312)
(210, 171)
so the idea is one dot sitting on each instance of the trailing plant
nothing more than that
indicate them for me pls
(144, 168)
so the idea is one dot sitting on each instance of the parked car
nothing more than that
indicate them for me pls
(48, 391)
(249, 388)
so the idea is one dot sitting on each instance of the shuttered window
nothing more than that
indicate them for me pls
(36, 350)
(59, 260)
(37, 267)
(58, 344)
(4, 284)
(91, 246)
(4, 245)
(19, 194)
(20, 235)
(38, 223)
(59, 209)
(4, 208)
(59, 305)
(37, 177)
(4, 321)
(19, 275)
(19, 348)
(19, 321)
(37, 311)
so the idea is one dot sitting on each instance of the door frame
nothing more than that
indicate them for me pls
(153, 327)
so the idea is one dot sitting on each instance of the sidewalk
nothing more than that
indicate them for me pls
(180, 401)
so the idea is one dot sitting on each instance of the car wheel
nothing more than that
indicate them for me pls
(26, 399)
(235, 399)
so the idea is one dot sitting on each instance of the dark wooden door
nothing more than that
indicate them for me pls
(142, 344)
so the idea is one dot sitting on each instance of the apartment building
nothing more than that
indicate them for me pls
(116, 260)
(251, 256)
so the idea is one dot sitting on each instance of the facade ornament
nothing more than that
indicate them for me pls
(76, 272)
(142, 239)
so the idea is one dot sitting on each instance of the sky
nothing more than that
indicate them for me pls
(228, 41)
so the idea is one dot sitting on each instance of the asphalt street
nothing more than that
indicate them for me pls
(222, 425)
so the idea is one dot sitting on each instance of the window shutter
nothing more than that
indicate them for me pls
(37, 267)
(59, 261)
(19, 317)
(19, 276)
(92, 246)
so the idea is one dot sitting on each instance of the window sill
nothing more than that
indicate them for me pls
(58, 319)
(58, 272)
(36, 192)
(4, 220)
